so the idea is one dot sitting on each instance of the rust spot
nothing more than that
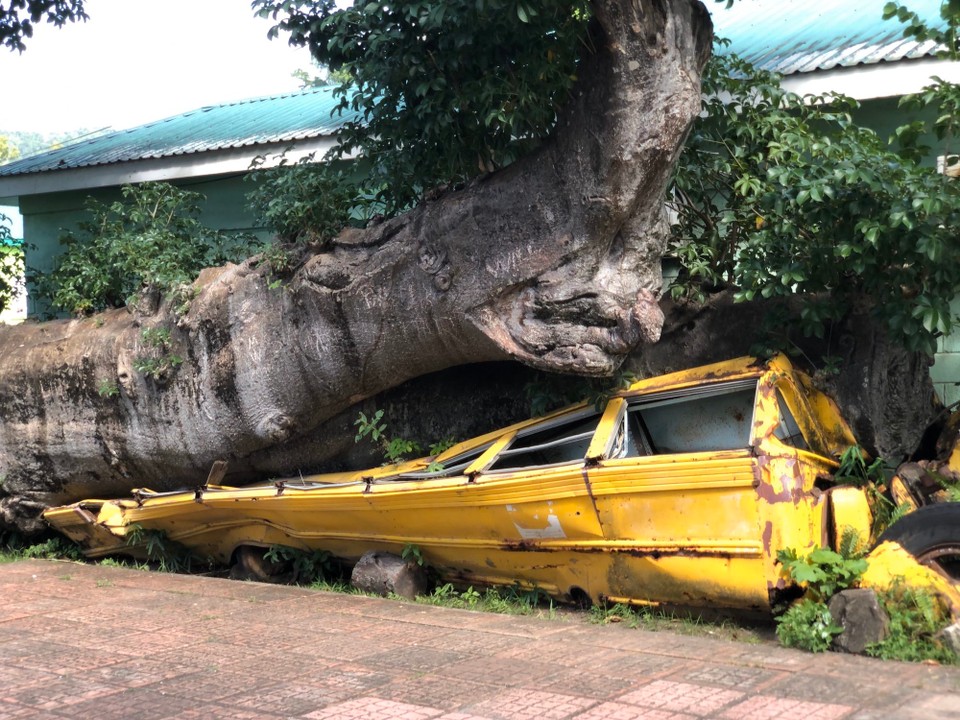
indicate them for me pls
(792, 484)
(766, 492)
(652, 553)
(767, 537)
(593, 500)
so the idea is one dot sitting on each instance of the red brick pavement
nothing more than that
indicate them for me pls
(85, 641)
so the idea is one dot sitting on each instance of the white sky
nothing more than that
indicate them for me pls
(136, 61)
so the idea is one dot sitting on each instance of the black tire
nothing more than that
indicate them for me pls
(932, 535)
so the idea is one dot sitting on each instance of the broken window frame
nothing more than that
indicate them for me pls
(783, 431)
(644, 440)
(453, 467)
(510, 449)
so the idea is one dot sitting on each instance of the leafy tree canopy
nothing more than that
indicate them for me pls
(18, 18)
(8, 150)
(778, 195)
(440, 101)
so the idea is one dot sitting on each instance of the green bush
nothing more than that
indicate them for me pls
(807, 625)
(153, 238)
(916, 622)
(780, 195)
(11, 265)
(304, 202)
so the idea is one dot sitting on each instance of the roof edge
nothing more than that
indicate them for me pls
(173, 167)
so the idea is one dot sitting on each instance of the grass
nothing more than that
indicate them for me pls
(512, 600)
(12, 548)
(658, 619)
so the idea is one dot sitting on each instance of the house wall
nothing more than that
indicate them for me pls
(884, 116)
(47, 217)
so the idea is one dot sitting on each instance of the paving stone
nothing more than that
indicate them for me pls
(288, 698)
(765, 707)
(730, 676)
(153, 646)
(942, 706)
(139, 703)
(371, 708)
(697, 700)
(19, 712)
(54, 694)
(446, 693)
(596, 685)
(415, 659)
(505, 672)
(875, 691)
(527, 704)
(622, 711)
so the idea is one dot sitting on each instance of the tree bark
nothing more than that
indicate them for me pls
(554, 261)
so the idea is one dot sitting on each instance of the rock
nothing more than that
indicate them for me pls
(863, 621)
(951, 637)
(382, 574)
(252, 565)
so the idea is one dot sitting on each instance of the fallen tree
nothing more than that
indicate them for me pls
(553, 261)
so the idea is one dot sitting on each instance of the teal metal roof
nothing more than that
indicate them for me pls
(786, 36)
(791, 36)
(274, 119)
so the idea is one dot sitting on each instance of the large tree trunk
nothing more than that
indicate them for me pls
(554, 261)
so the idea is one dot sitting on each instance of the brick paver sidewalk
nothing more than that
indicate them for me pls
(86, 641)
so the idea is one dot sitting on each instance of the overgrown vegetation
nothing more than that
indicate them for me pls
(660, 619)
(513, 600)
(166, 554)
(160, 362)
(395, 449)
(780, 195)
(823, 572)
(916, 617)
(435, 105)
(11, 265)
(916, 622)
(306, 566)
(151, 239)
(807, 624)
(15, 547)
(304, 202)
(872, 478)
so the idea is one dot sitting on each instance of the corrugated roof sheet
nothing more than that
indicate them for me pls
(791, 36)
(278, 118)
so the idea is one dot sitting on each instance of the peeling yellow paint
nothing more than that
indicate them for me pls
(889, 566)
